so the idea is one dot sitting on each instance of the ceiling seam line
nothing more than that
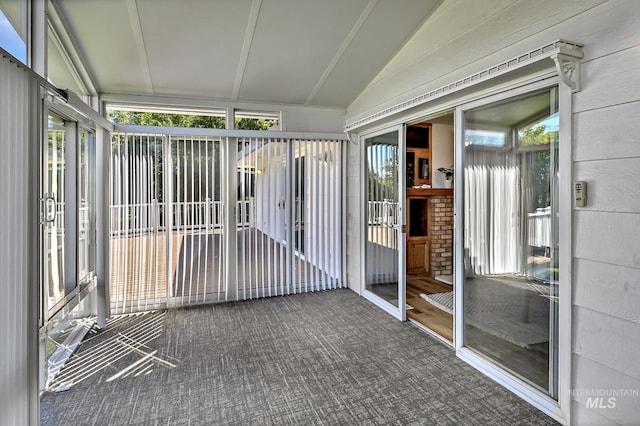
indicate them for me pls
(343, 47)
(136, 27)
(246, 46)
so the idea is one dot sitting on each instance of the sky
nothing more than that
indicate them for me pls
(10, 40)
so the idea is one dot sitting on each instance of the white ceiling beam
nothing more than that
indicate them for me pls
(343, 47)
(69, 50)
(246, 46)
(138, 37)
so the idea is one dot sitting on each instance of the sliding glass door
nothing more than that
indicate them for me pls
(53, 178)
(510, 238)
(384, 206)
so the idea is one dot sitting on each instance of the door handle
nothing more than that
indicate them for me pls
(401, 228)
(48, 210)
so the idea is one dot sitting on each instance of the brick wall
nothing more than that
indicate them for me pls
(441, 235)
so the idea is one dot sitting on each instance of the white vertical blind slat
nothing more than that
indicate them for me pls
(16, 89)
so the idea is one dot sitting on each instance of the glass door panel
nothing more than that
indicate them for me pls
(53, 183)
(384, 207)
(86, 205)
(510, 234)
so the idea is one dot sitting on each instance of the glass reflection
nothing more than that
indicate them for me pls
(510, 235)
(382, 216)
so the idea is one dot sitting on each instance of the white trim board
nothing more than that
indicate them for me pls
(549, 51)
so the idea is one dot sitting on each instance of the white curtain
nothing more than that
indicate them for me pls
(493, 219)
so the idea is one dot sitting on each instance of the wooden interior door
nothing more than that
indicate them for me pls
(418, 255)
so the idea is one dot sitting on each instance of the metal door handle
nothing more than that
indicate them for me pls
(49, 209)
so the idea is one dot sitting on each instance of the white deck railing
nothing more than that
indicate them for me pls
(185, 216)
(382, 213)
(539, 225)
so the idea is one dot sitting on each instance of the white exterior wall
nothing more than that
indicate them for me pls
(606, 154)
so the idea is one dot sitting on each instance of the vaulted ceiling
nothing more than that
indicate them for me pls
(310, 52)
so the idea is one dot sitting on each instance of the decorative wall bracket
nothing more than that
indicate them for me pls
(568, 68)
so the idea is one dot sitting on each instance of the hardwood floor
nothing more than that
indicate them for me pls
(530, 363)
(425, 313)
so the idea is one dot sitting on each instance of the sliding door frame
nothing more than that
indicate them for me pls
(557, 409)
(400, 311)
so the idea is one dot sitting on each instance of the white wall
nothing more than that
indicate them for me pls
(441, 152)
(606, 287)
(467, 36)
(312, 119)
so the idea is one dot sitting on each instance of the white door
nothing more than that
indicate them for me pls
(384, 240)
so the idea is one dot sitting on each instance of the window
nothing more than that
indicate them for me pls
(165, 117)
(256, 120)
(10, 40)
(485, 137)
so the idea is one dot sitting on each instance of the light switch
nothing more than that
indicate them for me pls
(580, 193)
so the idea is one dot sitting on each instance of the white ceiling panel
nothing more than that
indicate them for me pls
(103, 35)
(195, 49)
(385, 31)
(316, 52)
(294, 41)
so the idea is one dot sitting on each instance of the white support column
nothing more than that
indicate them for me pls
(37, 44)
(230, 118)
(167, 184)
(229, 199)
(290, 206)
(103, 182)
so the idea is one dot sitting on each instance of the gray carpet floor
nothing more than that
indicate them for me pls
(317, 358)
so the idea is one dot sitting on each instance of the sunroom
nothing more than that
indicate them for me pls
(466, 168)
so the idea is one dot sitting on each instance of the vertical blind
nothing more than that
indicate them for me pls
(18, 96)
(167, 219)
